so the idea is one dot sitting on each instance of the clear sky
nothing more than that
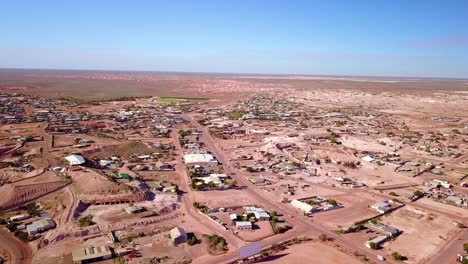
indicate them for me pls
(385, 38)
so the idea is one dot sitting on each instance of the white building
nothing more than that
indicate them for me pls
(91, 254)
(178, 235)
(233, 217)
(244, 225)
(304, 207)
(202, 159)
(40, 225)
(75, 159)
(19, 217)
(378, 241)
(368, 158)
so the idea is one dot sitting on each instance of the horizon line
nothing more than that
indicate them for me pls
(244, 73)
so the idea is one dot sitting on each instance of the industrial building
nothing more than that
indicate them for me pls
(91, 254)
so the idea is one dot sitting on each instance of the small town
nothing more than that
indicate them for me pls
(174, 180)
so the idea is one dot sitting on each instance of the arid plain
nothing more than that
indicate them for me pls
(192, 168)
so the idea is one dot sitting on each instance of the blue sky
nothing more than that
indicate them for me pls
(383, 38)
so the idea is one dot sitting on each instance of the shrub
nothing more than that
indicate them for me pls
(373, 245)
(192, 239)
(21, 235)
(323, 237)
(86, 221)
(396, 256)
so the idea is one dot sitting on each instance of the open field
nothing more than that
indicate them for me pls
(314, 252)
(423, 233)
(91, 86)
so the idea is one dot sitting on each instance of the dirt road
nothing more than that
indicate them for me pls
(19, 252)
(301, 226)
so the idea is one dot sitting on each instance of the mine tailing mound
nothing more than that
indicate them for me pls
(14, 195)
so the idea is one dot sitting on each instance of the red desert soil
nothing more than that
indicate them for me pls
(316, 253)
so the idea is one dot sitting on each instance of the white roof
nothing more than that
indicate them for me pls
(307, 208)
(244, 223)
(233, 216)
(75, 159)
(177, 232)
(263, 214)
(367, 158)
(199, 158)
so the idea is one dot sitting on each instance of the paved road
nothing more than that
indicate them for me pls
(19, 252)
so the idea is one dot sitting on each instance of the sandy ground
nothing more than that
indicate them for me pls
(423, 233)
(355, 208)
(261, 230)
(314, 252)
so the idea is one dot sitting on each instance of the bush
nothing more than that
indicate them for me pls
(11, 226)
(216, 244)
(2, 221)
(465, 247)
(86, 221)
(396, 256)
(332, 202)
(192, 239)
(373, 245)
(22, 235)
(281, 229)
(323, 237)
(392, 193)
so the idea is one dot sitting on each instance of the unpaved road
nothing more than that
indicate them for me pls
(20, 252)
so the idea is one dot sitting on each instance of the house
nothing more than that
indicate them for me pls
(134, 209)
(383, 207)
(383, 229)
(178, 235)
(378, 241)
(257, 132)
(368, 158)
(444, 184)
(201, 159)
(91, 254)
(233, 217)
(244, 225)
(75, 159)
(155, 186)
(19, 217)
(172, 189)
(304, 207)
(260, 213)
(40, 225)
(163, 166)
(262, 216)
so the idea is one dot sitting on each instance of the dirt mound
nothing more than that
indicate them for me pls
(15, 195)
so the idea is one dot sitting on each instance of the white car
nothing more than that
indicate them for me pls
(380, 257)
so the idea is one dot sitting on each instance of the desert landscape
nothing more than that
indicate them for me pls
(200, 168)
